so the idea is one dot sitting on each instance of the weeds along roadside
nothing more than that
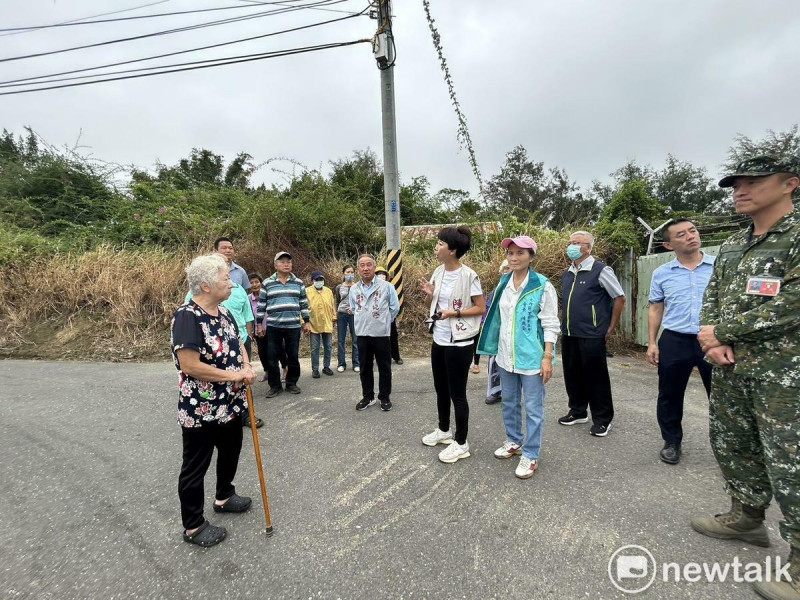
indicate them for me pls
(116, 304)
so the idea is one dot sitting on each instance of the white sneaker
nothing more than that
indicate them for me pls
(526, 468)
(454, 452)
(507, 450)
(357, 369)
(437, 437)
(340, 369)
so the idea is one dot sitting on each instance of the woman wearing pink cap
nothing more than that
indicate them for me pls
(521, 330)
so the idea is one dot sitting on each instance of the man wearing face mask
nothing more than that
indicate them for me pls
(592, 302)
(323, 313)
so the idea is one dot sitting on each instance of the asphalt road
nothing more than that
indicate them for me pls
(89, 506)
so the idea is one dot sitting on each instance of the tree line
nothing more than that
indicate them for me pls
(55, 198)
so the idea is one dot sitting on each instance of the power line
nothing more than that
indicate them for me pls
(218, 63)
(30, 80)
(176, 30)
(115, 12)
(209, 60)
(310, 8)
(154, 15)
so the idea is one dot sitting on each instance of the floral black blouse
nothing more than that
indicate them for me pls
(216, 339)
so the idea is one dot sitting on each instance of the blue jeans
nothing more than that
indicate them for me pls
(527, 391)
(326, 339)
(345, 322)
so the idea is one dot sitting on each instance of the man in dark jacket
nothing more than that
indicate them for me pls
(592, 302)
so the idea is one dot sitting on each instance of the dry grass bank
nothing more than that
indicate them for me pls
(116, 304)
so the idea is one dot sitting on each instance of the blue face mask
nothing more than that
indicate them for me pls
(319, 284)
(349, 278)
(574, 251)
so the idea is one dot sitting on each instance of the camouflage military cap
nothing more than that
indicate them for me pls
(761, 166)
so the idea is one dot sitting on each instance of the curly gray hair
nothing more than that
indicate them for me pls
(205, 269)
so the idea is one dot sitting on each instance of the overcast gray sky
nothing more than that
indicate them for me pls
(583, 85)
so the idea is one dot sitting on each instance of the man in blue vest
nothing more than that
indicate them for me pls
(592, 302)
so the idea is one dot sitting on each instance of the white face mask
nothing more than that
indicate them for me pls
(319, 284)
(381, 276)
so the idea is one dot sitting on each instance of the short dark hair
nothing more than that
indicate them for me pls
(220, 240)
(457, 238)
(787, 176)
(665, 235)
(255, 275)
(344, 268)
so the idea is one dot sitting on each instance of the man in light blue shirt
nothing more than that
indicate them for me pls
(676, 296)
(375, 305)
(224, 247)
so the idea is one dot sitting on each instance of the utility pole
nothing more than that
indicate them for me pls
(384, 51)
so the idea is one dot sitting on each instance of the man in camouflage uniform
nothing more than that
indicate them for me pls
(750, 330)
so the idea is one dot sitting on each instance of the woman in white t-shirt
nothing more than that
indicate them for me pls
(456, 307)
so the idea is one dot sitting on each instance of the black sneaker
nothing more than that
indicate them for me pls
(276, 391)
(315, 374)
(600, 430)
(364, 403)
(671, 453)
(292, 389)
(494, 398)
(327, 371)
(572, 419)
(399, 361)
(386, 405)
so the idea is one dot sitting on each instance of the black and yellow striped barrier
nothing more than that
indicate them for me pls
(394, 264)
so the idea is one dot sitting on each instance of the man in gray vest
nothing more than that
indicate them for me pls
(592, 302)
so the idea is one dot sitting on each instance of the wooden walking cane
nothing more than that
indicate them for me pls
(252, 411)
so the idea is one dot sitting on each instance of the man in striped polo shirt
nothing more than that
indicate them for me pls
(284, 302)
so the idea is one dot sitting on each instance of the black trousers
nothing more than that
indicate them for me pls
(394, 341)
(450, 366)
(375, 349)
(586, 377)
(261, 344)
(678, 354)
(280, 341)
(476, 358)
(198, 446)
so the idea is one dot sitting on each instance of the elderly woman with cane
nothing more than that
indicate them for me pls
(213, 372)
(521, 330)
